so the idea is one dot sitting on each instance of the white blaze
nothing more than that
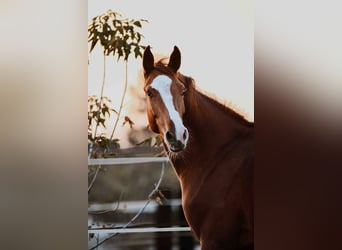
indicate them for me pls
(162, 84)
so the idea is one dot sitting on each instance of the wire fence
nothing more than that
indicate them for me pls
(105, 234)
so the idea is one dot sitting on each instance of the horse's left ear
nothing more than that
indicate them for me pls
(148, 61)
(175, 59)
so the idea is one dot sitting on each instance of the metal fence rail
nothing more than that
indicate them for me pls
(140, 230)
(131, 206)
(126, 160)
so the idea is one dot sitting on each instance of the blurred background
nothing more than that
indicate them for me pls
(297, 86)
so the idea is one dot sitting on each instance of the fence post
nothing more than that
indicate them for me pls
(163, 241)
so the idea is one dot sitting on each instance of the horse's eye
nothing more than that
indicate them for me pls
(183, 92)
(149, 93)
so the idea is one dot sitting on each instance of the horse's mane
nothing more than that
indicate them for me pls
(192, 88)
(161, 66)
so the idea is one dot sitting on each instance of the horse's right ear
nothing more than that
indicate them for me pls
(175, 59)
(148, 61)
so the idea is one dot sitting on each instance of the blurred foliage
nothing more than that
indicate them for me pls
(153, 141)
(98, 111)
(116, 35)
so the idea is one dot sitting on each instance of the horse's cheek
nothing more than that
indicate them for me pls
(153, 125)
(152, 122)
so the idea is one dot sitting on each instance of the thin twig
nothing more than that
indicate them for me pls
(101, 93)
(139, 212)
(121, 103)
(109, 210)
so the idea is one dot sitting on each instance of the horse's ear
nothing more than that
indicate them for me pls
(175, 60)
(148, 61)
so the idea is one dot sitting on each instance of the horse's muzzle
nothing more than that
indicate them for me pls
(176, 147)
(174, 144)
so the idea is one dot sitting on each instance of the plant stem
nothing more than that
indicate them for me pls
(101, 93)
(121, 103)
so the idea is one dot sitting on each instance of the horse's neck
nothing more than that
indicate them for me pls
(211, 127)
(208, 119)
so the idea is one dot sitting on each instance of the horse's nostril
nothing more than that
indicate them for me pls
(185, 135)
(169, 136)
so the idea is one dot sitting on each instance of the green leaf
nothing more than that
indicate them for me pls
(116, 112)
(137, 51)
(121, 30)
(93, 43)
(105, 110)
(106, 29)
(137, 23)
(138, 35)
(117, 23)
(102, 40)
(102, 121)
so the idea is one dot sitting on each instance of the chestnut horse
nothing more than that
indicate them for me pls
(211, 149)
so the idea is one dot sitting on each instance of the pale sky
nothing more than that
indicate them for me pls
(216, 39)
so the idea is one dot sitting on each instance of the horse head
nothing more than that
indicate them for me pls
(165, 99)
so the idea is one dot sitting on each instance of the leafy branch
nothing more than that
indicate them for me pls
(118, 37)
